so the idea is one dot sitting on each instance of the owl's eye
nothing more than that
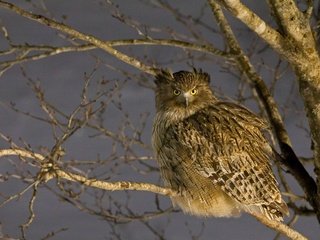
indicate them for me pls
(193, 91)
(176, 92)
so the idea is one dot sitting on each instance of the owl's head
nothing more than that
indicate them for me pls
(183, 90)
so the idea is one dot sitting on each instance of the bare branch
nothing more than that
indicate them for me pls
(256, 80)
(79, 35)
(254, 22)
(48, 51)
(290, 160)
(115, 186)
(126, 185)
(292, 21)
(280, 227)
(110, 186)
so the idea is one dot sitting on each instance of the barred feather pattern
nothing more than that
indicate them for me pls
(213, 153)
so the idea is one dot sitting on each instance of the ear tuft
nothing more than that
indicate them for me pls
(164, 76)
(202, 75)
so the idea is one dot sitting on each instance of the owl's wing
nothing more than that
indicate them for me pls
(226, 144)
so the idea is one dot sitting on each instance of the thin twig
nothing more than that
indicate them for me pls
(79, 35)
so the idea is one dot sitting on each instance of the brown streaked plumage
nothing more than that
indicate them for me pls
(213, 153)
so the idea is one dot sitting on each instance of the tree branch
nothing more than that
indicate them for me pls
(90, 182)
(254, 22)
(79, 35)
(289, 159)
(47, 51)
(294, 24)
(126, 185)
(256, 80)
(279, 227)
(298, 47)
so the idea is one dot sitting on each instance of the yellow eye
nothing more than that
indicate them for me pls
(194, 92)
(176, 92)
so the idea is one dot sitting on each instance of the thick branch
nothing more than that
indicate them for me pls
(109, 186)
(291, 161)
(306, 63)
(254, 22)
(114, 186)
(294, 24)
(256, 80)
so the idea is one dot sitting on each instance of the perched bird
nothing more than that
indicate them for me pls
(211, 152)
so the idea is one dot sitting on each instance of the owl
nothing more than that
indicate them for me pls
(213, 153)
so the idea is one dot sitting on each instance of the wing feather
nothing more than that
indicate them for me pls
(226, 144)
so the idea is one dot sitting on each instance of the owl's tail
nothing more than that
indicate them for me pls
(273, 211)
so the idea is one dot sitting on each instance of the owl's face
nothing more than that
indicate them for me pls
(183, 91)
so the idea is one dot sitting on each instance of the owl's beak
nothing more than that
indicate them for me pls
(187, 98)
